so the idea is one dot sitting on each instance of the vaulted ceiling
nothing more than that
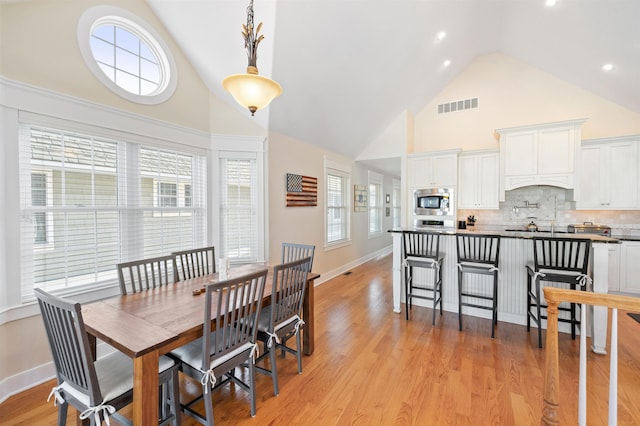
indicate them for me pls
(349, 67)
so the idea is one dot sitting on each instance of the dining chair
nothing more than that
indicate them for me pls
(283, 318)
(233, 307)
(564, 262)
(145, 274)
(294, 251)
(194, 263)
(97, 389)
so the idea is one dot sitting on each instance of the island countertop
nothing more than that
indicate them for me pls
(512, 234)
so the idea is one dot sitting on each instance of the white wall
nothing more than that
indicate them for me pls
(512, 93)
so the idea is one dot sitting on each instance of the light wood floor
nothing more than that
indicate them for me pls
(372, 367)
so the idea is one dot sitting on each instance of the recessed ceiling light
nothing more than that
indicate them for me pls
(550, 3)
(607, 67)
(446, 63)
(441, 35)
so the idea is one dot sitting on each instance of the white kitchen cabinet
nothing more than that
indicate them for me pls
(614, 267)
(543, 154)
(478, 180)
(433, 170)
(609, 174)
(630, 267)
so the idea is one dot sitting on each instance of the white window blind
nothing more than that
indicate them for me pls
(375, 203)
(239, 207)
(396, 200)
(88, 203)
(337, 207)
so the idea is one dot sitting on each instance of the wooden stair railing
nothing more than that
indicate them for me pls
(554, 296)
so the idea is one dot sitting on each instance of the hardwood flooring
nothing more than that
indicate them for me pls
(372, 367)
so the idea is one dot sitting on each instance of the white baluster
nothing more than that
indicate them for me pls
(582, 381)
(613, 370)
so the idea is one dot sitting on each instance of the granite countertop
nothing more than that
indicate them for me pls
(520, 234)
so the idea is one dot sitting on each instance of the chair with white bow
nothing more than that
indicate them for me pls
(97, 389)
(557, 262)
(231, 311)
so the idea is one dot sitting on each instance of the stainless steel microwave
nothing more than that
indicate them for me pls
(433, 202)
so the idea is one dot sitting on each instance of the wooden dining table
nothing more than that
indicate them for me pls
(151, 323)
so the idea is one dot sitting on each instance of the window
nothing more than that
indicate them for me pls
(337, 224)
(167, 194)
(396, 200)
(126, 55)
(239, 207)
(375, 203)
(187, 196)
(92, 202)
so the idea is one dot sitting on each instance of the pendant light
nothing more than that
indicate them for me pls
(251, 90)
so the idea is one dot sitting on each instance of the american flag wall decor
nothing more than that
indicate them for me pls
(302, 191)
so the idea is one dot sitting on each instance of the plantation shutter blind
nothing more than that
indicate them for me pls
(89, 202)
(238, 206)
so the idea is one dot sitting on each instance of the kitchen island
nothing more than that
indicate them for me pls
(516, 251)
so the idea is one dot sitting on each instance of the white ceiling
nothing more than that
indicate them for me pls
(349, 67)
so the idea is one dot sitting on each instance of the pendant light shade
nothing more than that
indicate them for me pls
(251, 90)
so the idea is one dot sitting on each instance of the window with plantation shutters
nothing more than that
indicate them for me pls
(375, 203)
(396, 200)
(89, 202)
(337, 225)
(239, 207)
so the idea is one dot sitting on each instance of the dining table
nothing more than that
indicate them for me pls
(151, 323)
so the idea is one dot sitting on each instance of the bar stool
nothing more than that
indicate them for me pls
(422, 250)
(561, 261)
(478, 254)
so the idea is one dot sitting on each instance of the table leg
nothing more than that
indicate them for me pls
(145, 389)
(308, 316)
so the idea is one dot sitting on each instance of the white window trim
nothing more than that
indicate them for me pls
(374, 178)
(100, 15)
(345, 170)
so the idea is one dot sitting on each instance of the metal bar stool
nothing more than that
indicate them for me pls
(478, 254)
(422, 250)
(556, 260)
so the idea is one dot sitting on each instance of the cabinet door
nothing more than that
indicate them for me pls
(421, 172)
(623, 176)
(593, 178)
(614, 267)
(630, 267)
(555, 151)
(489, 181)
(468, 181)
(445, 170)
(520, 154)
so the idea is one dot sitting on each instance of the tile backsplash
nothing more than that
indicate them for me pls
(547, 205)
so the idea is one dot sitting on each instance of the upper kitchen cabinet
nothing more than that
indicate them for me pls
(433, 170)
(609, 174)
(478, 180)
(542, 154)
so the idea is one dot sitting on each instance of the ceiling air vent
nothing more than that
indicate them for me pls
(458, 105)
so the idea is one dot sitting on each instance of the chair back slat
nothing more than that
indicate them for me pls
(145, 274)
(421, 244)
(566, 254)
(289, 284)
(293, 251)
(69, 344)
(194, 263)
(478, 248)
(234, 308)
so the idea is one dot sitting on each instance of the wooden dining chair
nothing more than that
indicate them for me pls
(231, 312)
(283, 318)
(194, 263)
(145, 274)
(96, 389)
